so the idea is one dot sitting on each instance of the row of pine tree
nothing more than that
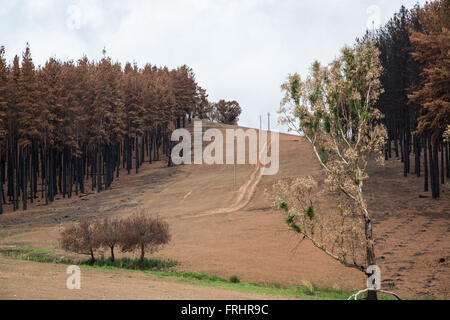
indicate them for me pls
(69, 127)
(414, 47)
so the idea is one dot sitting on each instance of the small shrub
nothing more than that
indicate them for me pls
(144, 233)
(139, 232)
(234, 279)
(308, 287)
(109, 234)
(81, 238)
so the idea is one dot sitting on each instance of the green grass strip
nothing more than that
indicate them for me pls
(160, 268)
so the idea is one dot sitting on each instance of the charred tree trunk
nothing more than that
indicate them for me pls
(425, 165)
(446, 146)
(416, 147)
(150, 148)
(1, 183)
(137, 154)
(129, 154)
(436, 171)
(442, 163)
(24, 162)
(432, 169)
(99, 170)
(142, 253)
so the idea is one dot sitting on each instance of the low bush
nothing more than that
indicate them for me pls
(109, 234)
(81, 238)
(144, 233)
(141, 232)
(308, 287)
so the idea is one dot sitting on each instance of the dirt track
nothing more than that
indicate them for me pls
(252, 242)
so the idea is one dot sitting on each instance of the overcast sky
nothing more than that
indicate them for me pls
(239, 49)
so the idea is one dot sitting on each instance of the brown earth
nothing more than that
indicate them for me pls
(33, 280)
(229, 230)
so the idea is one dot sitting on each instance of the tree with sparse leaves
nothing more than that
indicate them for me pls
(81, 238)
(144, 233)
(333, 108)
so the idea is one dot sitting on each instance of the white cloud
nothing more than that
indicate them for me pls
(239, 49)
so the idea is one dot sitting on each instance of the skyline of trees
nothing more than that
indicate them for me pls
(70, 123)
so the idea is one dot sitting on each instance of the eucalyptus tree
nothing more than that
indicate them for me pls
(333, 108)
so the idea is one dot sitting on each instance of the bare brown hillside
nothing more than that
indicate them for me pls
(225, 230)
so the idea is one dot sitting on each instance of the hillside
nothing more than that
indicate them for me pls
(230, 230)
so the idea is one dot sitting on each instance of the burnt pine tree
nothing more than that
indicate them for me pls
(70, 121)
